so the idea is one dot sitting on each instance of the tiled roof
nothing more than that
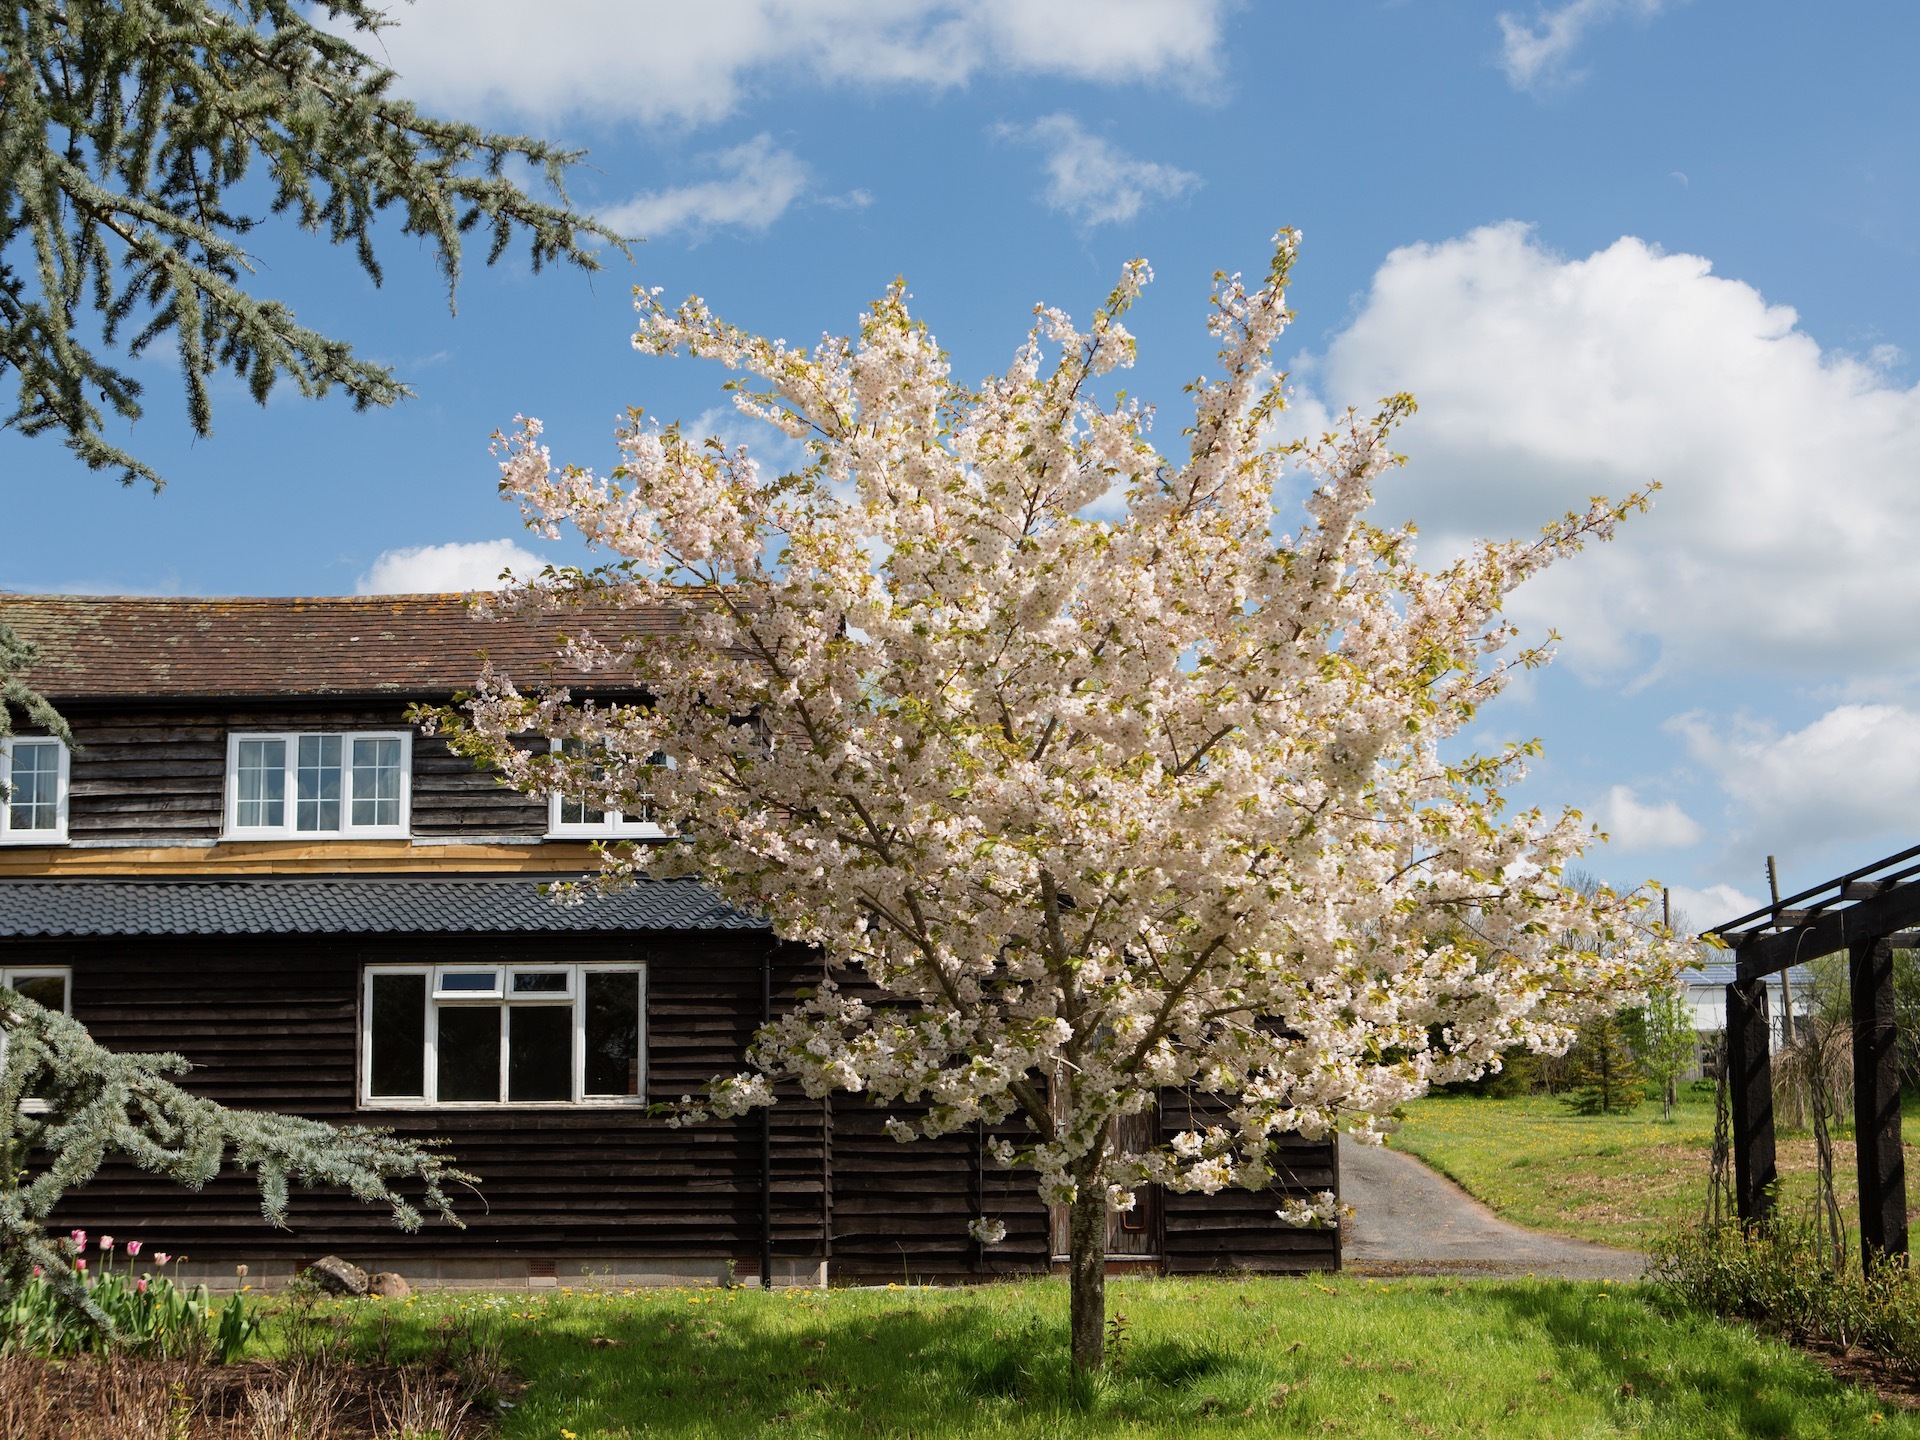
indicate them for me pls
(426, 646)
(53, 908)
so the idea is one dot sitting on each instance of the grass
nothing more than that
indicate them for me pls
(1342, 1357)
(1618, 1179)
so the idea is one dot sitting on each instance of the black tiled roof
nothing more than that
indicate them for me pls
(388, 906)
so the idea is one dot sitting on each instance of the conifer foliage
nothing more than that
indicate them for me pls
(1602, 1069)
(129, 132)
(67, 1105)
(17, 656)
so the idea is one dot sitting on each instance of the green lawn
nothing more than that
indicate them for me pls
(1618, 1179)
(1346, 1356)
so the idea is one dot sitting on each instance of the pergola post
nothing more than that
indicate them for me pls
(1876, 1102)
(1749, 1063)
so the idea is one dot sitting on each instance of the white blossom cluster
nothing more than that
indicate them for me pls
(1322, 1210)
(1077, 810)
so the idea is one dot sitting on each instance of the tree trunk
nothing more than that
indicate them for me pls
(1087, 1275)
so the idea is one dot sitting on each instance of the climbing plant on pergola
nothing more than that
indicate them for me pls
(1867, 914)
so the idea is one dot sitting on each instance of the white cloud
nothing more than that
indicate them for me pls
(1535, 53)
(1785, 534)
(1697, 910)
(1633, 825)
(1094, 180)
(669, 61)
(756, 183)
(1852, 775)
(435, 569)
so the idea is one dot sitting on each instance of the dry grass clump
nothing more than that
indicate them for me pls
(121, 1398)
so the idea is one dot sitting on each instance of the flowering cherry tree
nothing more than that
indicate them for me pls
(1096, 784)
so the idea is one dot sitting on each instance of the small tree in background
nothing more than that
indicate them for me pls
(1664, 1041)
(1045, 735)
(1603, 1073)
(91, 1104)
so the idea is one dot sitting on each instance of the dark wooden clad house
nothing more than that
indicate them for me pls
(253, 859)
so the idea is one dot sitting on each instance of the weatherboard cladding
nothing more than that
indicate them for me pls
(57, 908)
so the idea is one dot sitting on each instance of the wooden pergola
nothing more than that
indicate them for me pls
(1867, 913)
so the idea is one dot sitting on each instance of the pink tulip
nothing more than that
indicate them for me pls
(38, 1272)
(106, 1242)
(133, 1247)
(81, 1266)
(161, 1258)
(79, 1238)
(140, 1285)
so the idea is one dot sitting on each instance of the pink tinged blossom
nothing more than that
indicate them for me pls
(79, 1239)
(1067, 751)
(106, 1242)
(80, 1265)
(140, 1285)
(38, 1272)
(161, 1258)
(133, 1247)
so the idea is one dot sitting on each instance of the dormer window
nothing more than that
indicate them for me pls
(326, 785)
(573, 816)
(34, 771)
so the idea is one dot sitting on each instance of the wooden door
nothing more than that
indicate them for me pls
(1136, 1232)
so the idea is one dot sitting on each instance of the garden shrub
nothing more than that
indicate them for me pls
(1779, 1276)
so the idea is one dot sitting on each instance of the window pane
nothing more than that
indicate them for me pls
(539, 982)
(35, 782)
(479, 982)
(540, 1053)
(574, 809)
(50, 992)
(613, 1033)
(262, 783)
(577, 812)
(469, 1052)
(317, 784)
(398, 1063)
(376, 781)
(46, 990)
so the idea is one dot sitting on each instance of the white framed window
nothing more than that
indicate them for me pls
(296, 785)
(35, 809)
(49, 986)
(490, 1035)
(573, 817)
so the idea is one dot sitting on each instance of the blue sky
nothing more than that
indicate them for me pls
(1604, 242)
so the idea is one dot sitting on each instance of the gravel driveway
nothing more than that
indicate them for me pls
(1408, 1220)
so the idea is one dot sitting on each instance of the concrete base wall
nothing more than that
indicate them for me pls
(574, 1273)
